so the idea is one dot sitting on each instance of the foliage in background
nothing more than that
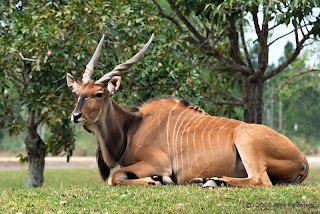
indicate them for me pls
(215, 32)
(294, 111)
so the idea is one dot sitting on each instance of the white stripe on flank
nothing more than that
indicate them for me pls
(229, 135)
(174, 142)
(240, 124)
(187, 144)
(168, 123)
(218, 138)
(159, 121)
(204, 150)
(210, 134)
(233, 130)
(194, 140)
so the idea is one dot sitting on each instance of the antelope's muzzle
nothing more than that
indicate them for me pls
(75, 117)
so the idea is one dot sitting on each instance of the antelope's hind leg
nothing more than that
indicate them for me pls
(257, 177)
(254, 164)
(268, 157)
(141, 173)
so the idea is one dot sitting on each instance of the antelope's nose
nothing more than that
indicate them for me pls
(76, 117)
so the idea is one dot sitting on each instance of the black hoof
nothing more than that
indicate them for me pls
(214, 182)
(157, 178)
(220, 183)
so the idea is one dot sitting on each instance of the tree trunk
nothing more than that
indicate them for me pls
(280, 114)
(36, 150)
(253, 101)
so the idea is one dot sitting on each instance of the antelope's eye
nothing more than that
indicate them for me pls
(99, 95)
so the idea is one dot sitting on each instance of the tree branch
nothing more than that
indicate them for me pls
(287, 82)
(284, 35)
(13, 79)
(296, 35)
(30, 120)
(215, 41)
(289, 60)
(26, 59)
(220, 91)
(273, 27)
(234, 41)
(280, 37)
(39, 119)
(212, 43)
(254, 13)
(263, 50)
(246, 52)
(186, 22)
(202, 43)
(229, 95)
(265, 23)
(171, 18)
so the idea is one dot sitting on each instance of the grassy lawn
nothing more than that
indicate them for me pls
(81, 191)
(52, 178)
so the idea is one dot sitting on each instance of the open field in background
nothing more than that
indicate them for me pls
(85, 144)
(82, 191)
(52, 178)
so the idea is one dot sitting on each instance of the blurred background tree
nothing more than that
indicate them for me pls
(293, 100)
(216, 29)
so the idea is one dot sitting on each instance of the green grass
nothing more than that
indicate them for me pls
(81, 191)
(52, 177)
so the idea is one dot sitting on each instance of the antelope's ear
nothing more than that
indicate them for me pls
(73, 84)
(114, 84)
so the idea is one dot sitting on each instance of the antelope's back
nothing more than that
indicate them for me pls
(175, 121)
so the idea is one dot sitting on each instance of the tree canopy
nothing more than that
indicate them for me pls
(216, 30)
(294, 101)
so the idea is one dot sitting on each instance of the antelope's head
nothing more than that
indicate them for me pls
(94, 95)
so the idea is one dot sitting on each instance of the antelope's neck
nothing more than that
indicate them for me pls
(111, 131)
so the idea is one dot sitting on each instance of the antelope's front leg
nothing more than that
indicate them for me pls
(140, 173)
